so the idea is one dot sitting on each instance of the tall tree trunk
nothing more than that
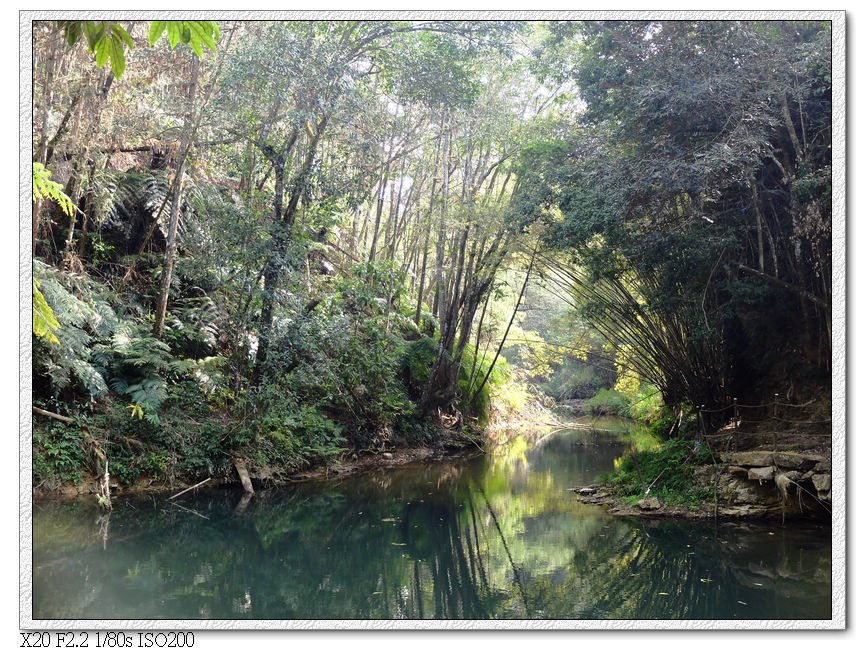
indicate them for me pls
(176, 195)
(425, 254)
(283, 224)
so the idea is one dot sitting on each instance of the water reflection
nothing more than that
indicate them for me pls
(489, 537)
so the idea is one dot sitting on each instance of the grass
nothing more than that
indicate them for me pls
(668, 469)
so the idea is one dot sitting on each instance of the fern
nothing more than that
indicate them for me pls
(45, 188)
(68, 361)
(44, 320)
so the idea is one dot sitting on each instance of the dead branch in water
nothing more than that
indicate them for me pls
(192, 487)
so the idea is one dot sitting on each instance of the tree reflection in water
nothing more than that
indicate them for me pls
(472, 539)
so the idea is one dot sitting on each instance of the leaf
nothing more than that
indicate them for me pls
(200, 34)
(44, 320)
(118, 58)
(156, 29)
(93, 34)
(173, 33)
(102, 51)
(121, 35)
(196, 47)
(73, 29)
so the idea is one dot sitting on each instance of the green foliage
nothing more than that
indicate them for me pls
(662, 193)
(669, 470)
(647, 404)
(294, 436)
(96, 349)
(195, 33)
(575, 380)
(609, 402)
(82, 319)
(57, 453)
(44, 320)
(107, 41)
(432, 68)
(45, 188)
(417, 362)
(469, 385)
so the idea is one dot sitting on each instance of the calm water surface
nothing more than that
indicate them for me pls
(487, 537)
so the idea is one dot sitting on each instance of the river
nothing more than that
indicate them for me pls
(497, 536)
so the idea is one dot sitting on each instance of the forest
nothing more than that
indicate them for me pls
(277, 244)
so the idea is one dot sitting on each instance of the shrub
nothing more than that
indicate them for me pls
(669, 470)
(57, 454)
(609, 402)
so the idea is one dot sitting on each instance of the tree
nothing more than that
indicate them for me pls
(679, 194)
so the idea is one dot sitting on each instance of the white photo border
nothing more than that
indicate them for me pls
(839, 340)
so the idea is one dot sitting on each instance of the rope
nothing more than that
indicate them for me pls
(720, 410)
(757, 406)
(775, 417)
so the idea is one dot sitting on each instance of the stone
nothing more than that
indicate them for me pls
(387, 455)
(748, 458)
(735, 470)
(823, 482)
(823, 466)
(794, 460)
(761, 473)
(587, 490)
(793, 475)
(649, 503)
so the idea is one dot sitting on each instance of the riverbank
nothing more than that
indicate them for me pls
(759, 483)
(264, 476)
(443, 438)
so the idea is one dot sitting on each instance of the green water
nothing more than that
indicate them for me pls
(483, 537)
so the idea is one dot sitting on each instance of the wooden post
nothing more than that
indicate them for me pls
(774, 429)
(701, 416)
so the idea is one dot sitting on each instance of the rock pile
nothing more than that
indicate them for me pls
(763, 482)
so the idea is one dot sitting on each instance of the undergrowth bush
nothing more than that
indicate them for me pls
(669, 470)
(609, 402)
(57, 454)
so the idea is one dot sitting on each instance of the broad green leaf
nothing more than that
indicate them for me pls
(199, 34)
(195, 44)
(118, 58)
(156, 29)
(93, 33)
(173, 33)
(121, 34)
(73, 29)
(102, 51)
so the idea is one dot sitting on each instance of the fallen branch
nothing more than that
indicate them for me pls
(49, 414)
(200, 483)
